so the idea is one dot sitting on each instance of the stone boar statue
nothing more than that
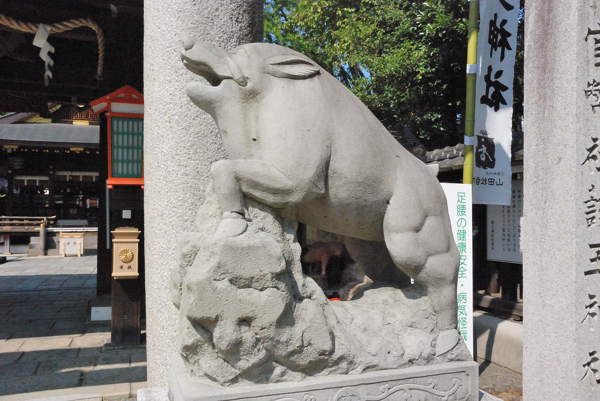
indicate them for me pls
(297, 138)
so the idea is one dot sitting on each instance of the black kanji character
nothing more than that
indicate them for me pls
(507, 6)
(592, 93)
(495, 99)
(592, 153)
(592, 32)
(498, 37)
(591, 369)
(486, 153)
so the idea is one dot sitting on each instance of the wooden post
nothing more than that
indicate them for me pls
(43, 239)
(126, 312)
(127, 295)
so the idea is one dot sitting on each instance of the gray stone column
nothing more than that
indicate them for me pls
(561, 227)
(180, 144)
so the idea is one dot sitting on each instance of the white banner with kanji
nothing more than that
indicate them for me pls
(459, 208)
(494, 98)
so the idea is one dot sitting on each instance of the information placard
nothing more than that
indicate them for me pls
(460, 209)
(504, 228)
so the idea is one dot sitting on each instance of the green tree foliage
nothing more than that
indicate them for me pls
(404, 59)
(518, 89)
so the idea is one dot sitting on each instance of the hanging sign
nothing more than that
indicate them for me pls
(459, 201)
(494, 99)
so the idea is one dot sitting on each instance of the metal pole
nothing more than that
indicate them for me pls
(471, 86)
(43, 239)
(107, 218)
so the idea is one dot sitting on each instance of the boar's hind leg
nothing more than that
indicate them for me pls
(232, 179)
(427, 253)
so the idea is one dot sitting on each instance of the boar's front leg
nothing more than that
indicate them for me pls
(232, 179)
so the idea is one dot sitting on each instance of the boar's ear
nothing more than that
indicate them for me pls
(291, 67)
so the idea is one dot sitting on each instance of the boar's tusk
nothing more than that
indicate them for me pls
(236, 73)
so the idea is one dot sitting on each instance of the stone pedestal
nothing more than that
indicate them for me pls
(180, 144)
(452, 380)
(561, 225)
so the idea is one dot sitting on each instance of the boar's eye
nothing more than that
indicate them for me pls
(291, 67)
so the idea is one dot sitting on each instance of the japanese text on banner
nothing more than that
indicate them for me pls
(493, 110)
(459, 208)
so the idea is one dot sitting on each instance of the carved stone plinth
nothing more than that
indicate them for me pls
(448, 381)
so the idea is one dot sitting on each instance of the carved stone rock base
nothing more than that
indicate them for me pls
(451, 381)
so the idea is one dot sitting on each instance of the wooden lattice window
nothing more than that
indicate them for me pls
(127, 147)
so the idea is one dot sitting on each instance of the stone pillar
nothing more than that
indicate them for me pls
(180, 144)
(561, 227)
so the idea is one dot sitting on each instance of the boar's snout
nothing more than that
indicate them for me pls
(187, 43)
(213, 63)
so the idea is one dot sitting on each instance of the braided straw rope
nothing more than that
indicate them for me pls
(60, 27)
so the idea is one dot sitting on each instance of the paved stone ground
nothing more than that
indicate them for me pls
(500, 382)
(48, 347)
(46, 340)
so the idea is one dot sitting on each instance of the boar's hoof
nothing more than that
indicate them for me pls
(446, 340)
(231, 225)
